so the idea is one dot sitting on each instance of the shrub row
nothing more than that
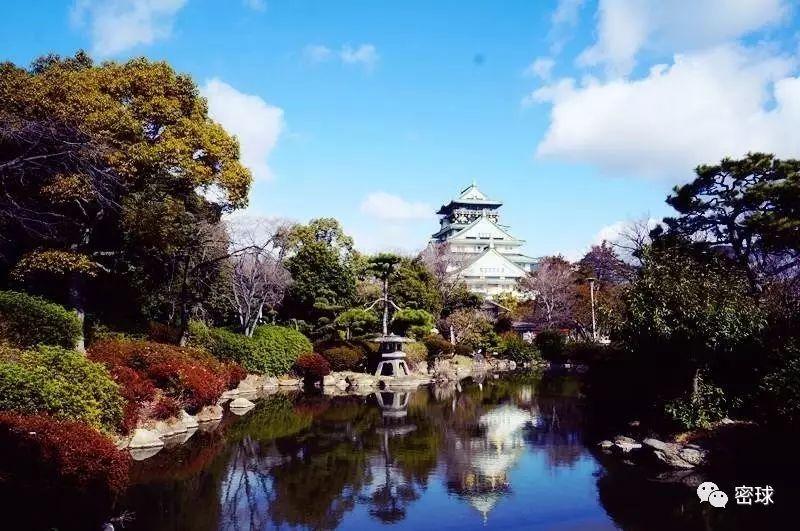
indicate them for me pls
(26, 321)
(273, 350)
(174, 377)
(62, 383)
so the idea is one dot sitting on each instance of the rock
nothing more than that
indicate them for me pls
(634, 424)
(169, 428)
(726, 420)
(208, 427)
(288, 382)
(693, 456)
(246, 387)
(626, 444)
(655, 444)
(242, 403)
(140, 454)
(143, 438)
(229, 395)
(342, 385)
(121, 442)
(190, 421)
(605, 444)
(209, 414)
(512, 365)
(329, 380)
(677, 456)
(627, 447)
(249, 395)
(269, 382)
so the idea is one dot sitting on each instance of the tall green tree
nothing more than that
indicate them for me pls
(687, 310)
(140, 147)
(323, 269)
(748, 208)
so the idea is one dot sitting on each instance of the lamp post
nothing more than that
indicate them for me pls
(591, 296)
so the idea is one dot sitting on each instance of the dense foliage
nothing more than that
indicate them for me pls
(513, 347)
(61, 383)
(412, 323)
(272, 350)
(342, 355)
(26, 321)
(156, 375)
(103, 169)
(438, 347)
(43, 449)
(416, 352)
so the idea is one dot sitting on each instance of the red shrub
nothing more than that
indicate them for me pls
(66, 454)
(165, 408)
(313, 366)
(235, 373)
(191, 377)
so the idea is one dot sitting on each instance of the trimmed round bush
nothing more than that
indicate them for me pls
(272, 350)
(62, 383)
(416, 352)
(438, 347)
(277, 349)
(343, 358)
(550, 343)
(26, 321)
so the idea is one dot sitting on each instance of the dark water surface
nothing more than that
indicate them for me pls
(503, 454)
(508, 453)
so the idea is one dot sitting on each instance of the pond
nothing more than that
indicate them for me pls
(508, 453)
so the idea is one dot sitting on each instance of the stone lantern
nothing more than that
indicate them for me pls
(393, 359)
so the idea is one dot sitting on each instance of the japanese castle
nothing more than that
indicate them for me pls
(484, 254)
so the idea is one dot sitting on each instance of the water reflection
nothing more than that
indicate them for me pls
(321, 462)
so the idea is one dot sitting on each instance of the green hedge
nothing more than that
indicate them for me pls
(278, 349)
(272, 350)
(26, 321)
(62, 383)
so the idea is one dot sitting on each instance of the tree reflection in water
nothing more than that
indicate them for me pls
(307, 461)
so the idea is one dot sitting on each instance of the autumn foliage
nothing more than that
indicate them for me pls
(313, 366)
(41, 448)
(159, 379)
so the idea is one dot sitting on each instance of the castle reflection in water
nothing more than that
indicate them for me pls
(325, 462)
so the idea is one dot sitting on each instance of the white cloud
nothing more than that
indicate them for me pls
(119, 25)
(565, 18)
(390, 207)
(706, 105)
(255, 123)
(364, 54)
(257, 5)
(317, 53)
(625, 27)
(541, 67)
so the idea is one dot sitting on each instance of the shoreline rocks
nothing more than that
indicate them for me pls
(670, 454)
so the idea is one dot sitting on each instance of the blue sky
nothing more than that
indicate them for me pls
(578, 114)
